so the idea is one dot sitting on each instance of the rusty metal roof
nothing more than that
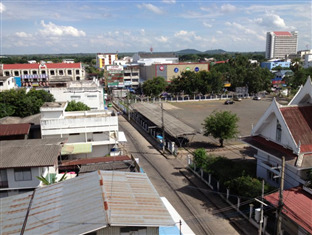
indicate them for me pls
(173, 126)
(30, 153)
(299, 121)
(14, 129)
(87, 203)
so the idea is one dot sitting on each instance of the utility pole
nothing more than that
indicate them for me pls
(280, 201)
(128, 101)
(162, 126)
(261, 212)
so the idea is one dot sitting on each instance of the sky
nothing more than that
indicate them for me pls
(82, 26)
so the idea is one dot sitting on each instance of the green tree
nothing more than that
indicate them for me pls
(76, 106)
(21, 104)
(221, 125)
(154, 86)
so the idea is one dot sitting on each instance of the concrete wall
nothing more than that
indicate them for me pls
(7, 84)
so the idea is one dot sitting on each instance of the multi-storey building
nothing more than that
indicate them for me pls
(7, 83)
(44, 74)
(103, 59)
(131, 76)
(281, 43)
(170, 71)
(89, 133)
(147, 59)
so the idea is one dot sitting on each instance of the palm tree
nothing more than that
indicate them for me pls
(49, 181)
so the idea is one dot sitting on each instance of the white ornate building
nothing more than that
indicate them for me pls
(285, 131)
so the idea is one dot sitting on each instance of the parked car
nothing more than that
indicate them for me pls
(236, 98)
(229, 102)
(256, 98)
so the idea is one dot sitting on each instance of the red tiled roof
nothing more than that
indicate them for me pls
(282, 33)
(94, 160)
(299, 121)
(297, 206)
(36, 66)
(14, 129)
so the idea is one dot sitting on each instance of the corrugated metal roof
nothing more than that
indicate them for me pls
(297, 206)
(87, 203)
(173, 126)
(282, 33)
(14, 129)
(30, 153)
(299, 121)
(13, 212)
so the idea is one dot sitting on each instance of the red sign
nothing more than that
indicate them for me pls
(161, 68)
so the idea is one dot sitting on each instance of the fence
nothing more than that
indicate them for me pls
(245, 208)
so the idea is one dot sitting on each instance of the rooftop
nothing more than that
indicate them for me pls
(14, 129)
(157, 55)
(297, 206)
(173, 126)
(54, 105)
(299, 121)
(106, 198)
(30, 152)
(37, 66)
(282, 33)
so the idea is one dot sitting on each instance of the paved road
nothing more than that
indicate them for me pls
(194, 207)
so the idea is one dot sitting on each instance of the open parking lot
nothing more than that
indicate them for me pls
(193, 113)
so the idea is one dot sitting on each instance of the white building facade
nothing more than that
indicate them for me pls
(97, 130)
(281, 43)
(103, 59)
(147, 59)
(7, 83)
(88, 92)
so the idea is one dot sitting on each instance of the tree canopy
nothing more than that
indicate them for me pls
(76, 106)
(154, 86)
(21, 104)
(221, 125)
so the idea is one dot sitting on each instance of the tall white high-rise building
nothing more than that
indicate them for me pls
(281, 43)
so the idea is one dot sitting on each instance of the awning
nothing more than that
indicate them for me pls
(76, 148)
(121, 136)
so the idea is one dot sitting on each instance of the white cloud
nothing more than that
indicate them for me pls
(51, 29)
(180, 33)
(2, 7)
(23, 35)
(272, 20)
(219, 32)
(207, 25)
(188, 36)
(227, 8)
(169, 1)
(162, 39)
(151, 7)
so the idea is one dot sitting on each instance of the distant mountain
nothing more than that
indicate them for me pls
(188, 51)
(214, 52)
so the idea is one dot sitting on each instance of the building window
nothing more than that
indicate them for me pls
(75, 97)
(25, 72)
(43, 72)
(92, 96)
(16, 73)
(3, 179)
(78, 78)
(61, 72)
(23, 174)
(278, 132)
(69, 72)
(34, 72)
(77, 72)
(7, 73)
(52, 72)
(1, 83)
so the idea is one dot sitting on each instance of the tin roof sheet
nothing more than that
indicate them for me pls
(88, 203)
(173, 126)
(14, 129)
(13, 213)
(299, 121)
(297, 206)
(30, 153)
